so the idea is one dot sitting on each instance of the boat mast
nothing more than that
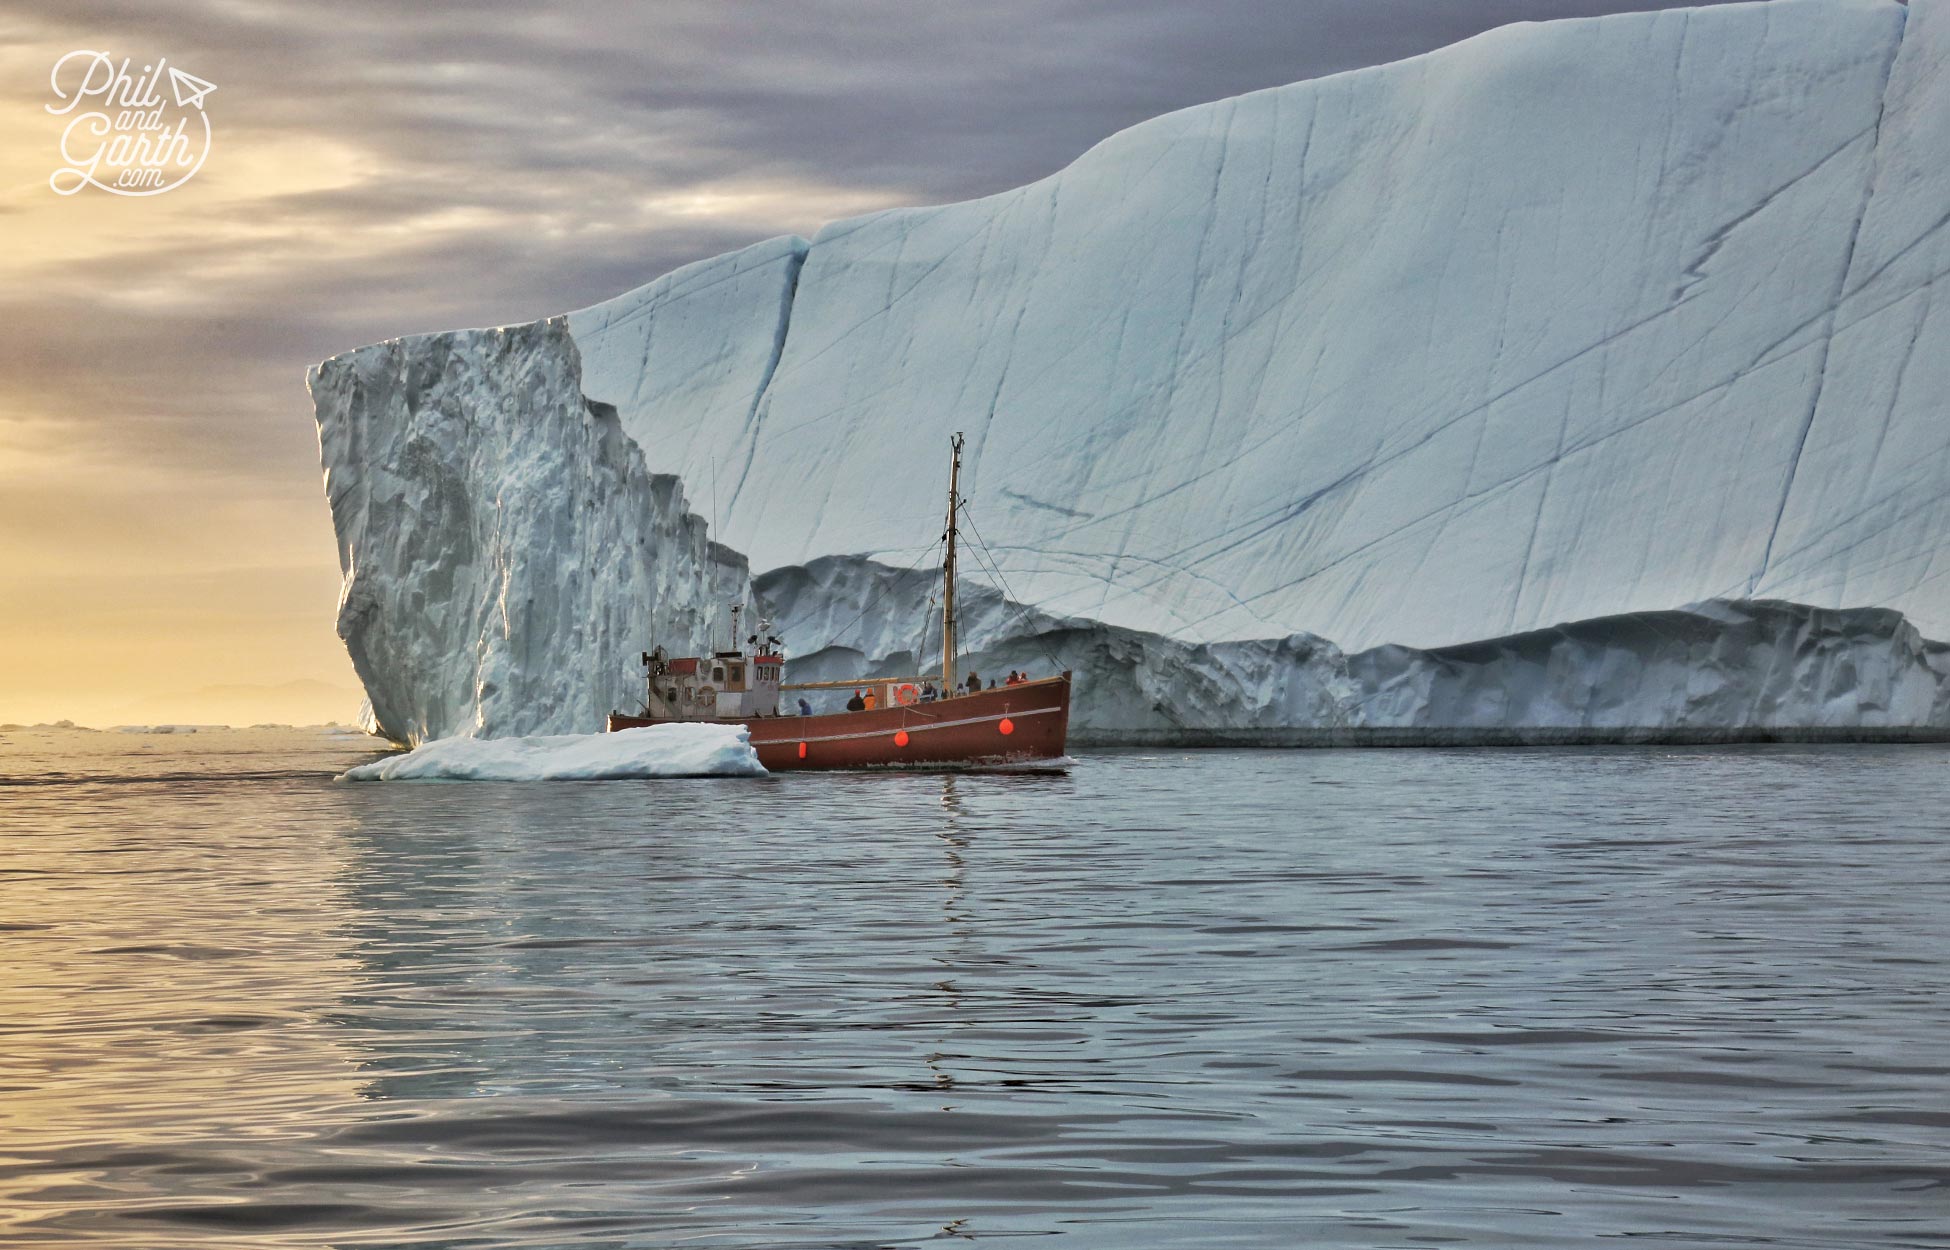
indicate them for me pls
(948, 577)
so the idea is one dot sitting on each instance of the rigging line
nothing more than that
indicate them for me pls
(1021, 615)
(1022, 609)
(875, 601)
(927, 627)
(987, 563)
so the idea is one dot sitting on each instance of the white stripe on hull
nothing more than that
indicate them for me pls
(912, 729)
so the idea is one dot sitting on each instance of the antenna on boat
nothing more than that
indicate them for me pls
(948, 575)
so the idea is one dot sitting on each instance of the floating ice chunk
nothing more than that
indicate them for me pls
(653, 751)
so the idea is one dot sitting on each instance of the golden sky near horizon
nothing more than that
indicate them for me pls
(139, 587)
(120, 579)
(117, 578)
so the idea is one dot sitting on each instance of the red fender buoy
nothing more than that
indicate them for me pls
(1007, 726)
(900, 739)
(802, 750)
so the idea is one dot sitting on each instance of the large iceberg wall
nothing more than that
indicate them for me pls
(1587, 321)
(1564, 321)
(506, 551)
(1867, 514)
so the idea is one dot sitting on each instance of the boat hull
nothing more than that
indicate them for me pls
(1019, 725)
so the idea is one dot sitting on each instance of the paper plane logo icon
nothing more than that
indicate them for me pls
(189, 89)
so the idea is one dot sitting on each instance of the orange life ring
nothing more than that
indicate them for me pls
(906, 694)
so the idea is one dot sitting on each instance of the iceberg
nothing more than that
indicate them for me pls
(507, 552)
(649, 752)
(1583, 377)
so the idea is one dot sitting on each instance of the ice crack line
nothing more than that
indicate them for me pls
(755, 416)
(1827, 340)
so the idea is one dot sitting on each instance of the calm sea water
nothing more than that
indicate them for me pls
(1389, 998)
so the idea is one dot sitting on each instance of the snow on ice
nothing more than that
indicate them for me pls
(652, 751)
(1572, 322)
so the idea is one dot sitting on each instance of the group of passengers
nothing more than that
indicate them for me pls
(973, 684)
(865, 700)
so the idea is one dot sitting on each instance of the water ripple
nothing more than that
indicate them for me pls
(1495, 998)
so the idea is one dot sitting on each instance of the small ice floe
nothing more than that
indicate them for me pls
(682, 750)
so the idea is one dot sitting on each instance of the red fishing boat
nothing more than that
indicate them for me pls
(892, 722)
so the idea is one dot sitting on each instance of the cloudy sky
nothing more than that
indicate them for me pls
(386, 168)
